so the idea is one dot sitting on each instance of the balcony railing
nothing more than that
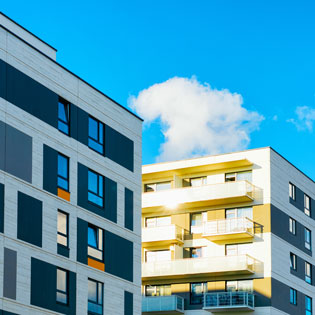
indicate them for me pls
(182, 269)
(213, 194)
(168, 234)
(230, 228)
(171, 304)
(229, 301)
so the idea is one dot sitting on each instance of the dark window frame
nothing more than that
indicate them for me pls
(292, 191)
(308, 210)
(310, 242)
(293, 297)
(99, 133)
(67, 179)
(201, 295)
(97, 229)
(67, 227)
(293, 231)
(308, 311)
(308, 278)
(66, 293)
(98, 189)
(66, 105)
(97, 296)
(293, 262)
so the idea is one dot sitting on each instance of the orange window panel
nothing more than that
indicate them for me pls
(96, 264)
(63, 194)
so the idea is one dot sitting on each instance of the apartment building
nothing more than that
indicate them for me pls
(70, 188)
(228, 233)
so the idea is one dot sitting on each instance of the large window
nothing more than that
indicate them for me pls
(293, 265)
(292, 226)
(63, 228)
(95, 297)
(307, 205)
(96, 135)
(293, 296)
(246, 212)
(236, 176)
(308, 305)
(238, 249)
(308, 238)
(292, 191)
(63, 116)
(95, 242)
(96, 188)
(197, 291)
(63, 172)
(157, 186)
(240, 285)
(308, 273)
(62, 286)
(158, 290)
(157, 255)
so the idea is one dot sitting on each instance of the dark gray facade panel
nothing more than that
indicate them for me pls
(299, 199)
(62, 250)
(110, 200)
(73, 121)
(128, 306)
(300, 270)
(18, 153)
(7, 313)
(29, 219)
(9, 273)
(3, 81)
(2, 145)
(50, 170)
(118, 256)
(82, 241)
(1, 208)
(119, 148)
(280, 227)
(83, 126)
(43, 288)
(129, 209)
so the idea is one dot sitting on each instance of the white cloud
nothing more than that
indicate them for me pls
(305, 118)
(195, 118)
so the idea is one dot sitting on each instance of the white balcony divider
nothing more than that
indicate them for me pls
(162, 233)
(191, 266)
(229, 300)
(162, 303)
(228, 226)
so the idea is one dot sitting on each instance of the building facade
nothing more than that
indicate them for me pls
(70, 188)
(228, 233)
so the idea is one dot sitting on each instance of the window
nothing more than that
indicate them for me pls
(157, 255)
(236, 176)
(95, 297)
(63, 116)
(241, 285)
(292, 190)
(197, 291)
(63, 228)
(158, 290)
(62, 286)
(308, 238)
(293, 296)
(308, 273)
(157, 186)
(307, 205)
(95, 242)
(308, 305)
(63, 172)
(96, 135)
(195, 182)
(195, 252)
(96, 188)
(197, 220)
(293, 261)
(158, 221)
(246, 212)
(238, 249)
(292, 226)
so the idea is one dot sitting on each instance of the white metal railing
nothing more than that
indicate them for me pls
(225, 300)
(199, 266)
(162, 303)
(162, 233)
(171, 197)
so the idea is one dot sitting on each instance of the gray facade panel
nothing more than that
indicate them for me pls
(9, 273)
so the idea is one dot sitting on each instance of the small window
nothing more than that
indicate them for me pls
(292, 226)
(95, 242)
(96, 135)
(307, 205)
(158, 221)
(293, 299)
(158, 290)
(240, 285)
(63, 172)
(292, 191)
(63, 116)
(96, 188)
(95, 297)
(293, 261)
(197, 181)
(237, 176)
(62, 286)
(157, 255)
(157, 186)
(196, 222)
(308, 238)
(197, 291)
(63, 228)
(308, 273)
(195, 252)
(308, 305)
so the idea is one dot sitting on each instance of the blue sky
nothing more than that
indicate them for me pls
(262, 50)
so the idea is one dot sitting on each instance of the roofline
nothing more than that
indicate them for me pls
(61, 66)
(26, 30)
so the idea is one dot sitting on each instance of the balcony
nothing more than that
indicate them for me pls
(198, 268)
(229, 302)
(171, 304)
(162, 235)
(194, 197)
(230, 229)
